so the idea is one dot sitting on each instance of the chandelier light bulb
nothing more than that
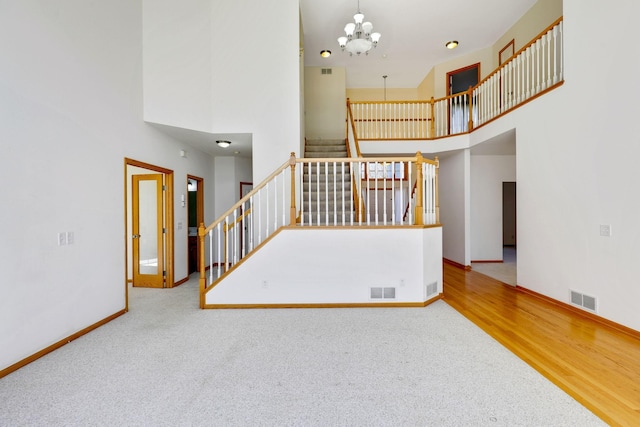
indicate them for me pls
(349, 29)
(367, 27)
(358, 17)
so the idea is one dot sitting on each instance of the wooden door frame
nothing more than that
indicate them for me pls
(199, 213)
(168, 206)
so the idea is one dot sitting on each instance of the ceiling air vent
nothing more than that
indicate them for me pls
(585, 301)
(326, 71)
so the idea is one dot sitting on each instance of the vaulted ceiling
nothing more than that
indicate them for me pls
(414, 33)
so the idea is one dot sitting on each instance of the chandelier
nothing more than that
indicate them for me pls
(359, 38)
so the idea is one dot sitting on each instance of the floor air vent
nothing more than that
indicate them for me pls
(584, 301)
(382, 293)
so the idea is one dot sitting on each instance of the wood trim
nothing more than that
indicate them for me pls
(57, 345)
(170, 226)
(361, 227)
(132, 162)
(199, 214)
(576, 311)
(511, 45)
(450, 73)
(487, 261)
(328, 305)
(129, 281)
(168, 180)
(180, 282)
(525, 102)
(456, 264)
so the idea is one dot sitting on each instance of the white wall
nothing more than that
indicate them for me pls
(71, 108)
(207, 68)
(255, 88)
(336, 266)
(229, 172)
(454, 206)
(487, 175)
(177, 38)
(577, 169)
(325, 103)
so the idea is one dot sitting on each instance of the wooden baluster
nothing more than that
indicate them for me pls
(335, 195)
(555, 55)
(561, 35)
(292, 208)
(538, 65)
(470, 97)
(549, 51)
(432, 118)
(419, 194)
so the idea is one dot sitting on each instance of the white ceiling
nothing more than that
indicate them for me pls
(414, 33)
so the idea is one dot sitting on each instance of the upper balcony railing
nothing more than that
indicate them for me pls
(530, 72)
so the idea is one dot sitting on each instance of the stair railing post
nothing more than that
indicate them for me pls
(292, 210)
(419, 193)
(203, 277)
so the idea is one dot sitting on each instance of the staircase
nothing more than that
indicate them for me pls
(326, 184)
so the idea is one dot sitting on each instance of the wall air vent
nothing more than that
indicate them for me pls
(432, 289)
(585, 301)
(382, 293)
(326, 71)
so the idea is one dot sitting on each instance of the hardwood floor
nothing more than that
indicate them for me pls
(596, 364)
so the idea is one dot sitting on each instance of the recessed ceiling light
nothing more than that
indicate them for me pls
(452, 44)
(325, 53)
(223, 143)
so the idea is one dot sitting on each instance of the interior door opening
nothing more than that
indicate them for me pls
(459, 81)
(148, 226)
(195, 208)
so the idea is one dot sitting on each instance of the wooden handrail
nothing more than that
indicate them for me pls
(471, 103)
(245, 198)
(521, 50)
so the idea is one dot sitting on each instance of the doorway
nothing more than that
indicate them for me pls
(459, 81)
(148, 226)
(509, 214)
(195, 213)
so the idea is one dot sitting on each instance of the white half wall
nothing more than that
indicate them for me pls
(318, 266)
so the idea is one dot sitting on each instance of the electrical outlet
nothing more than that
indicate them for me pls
(62, 239)
(70, 238)
(605, 230)
(401, 282)
(265, 285)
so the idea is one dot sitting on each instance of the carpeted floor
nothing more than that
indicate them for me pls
(167, 363)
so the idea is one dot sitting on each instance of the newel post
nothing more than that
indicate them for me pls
(470, 94)
(419, 192)
(292, 211)
(203, 278)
